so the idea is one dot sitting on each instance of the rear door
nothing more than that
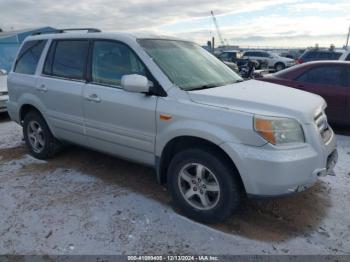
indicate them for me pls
(61, 86)
(330, 82)
(118, 122)
(23, 79)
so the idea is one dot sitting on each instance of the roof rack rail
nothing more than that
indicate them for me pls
(89, 30)
(46, 32)
(60, 31)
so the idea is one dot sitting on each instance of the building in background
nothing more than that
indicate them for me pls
(10, 41)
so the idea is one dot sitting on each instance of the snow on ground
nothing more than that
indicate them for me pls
(84, 202)
(10, 135)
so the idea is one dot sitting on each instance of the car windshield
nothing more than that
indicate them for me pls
(188, 65)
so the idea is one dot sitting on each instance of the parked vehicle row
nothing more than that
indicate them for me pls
(265, 59)
(243, 66)
(170, 104)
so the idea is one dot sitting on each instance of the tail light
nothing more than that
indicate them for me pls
(299, 61)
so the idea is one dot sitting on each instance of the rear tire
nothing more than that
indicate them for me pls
(212, 198)
(38, 137)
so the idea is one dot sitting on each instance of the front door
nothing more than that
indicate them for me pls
(118, 122)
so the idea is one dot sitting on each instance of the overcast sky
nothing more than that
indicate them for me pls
(242, 22)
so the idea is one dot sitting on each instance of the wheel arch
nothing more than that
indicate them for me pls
(180, 143)
(25, 108)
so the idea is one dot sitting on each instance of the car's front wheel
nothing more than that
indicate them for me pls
(38, 136)
(280, 66)
(203, 186)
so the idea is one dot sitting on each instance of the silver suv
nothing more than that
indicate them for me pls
(270, 59)
(169, 104)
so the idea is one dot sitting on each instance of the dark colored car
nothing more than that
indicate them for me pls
(230, 56)
(329, 79)
(324, 54)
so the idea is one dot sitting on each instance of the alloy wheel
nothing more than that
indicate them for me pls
(36, 136)
(199, 186)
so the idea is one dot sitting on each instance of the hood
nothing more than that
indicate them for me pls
(3, 83)
(262, 98)
(286, 59)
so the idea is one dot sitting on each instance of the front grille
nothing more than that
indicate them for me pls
(3, 93)
(323, 126)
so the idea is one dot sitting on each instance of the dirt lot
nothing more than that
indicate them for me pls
(84, 202)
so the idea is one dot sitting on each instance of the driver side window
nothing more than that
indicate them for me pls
(112, 60)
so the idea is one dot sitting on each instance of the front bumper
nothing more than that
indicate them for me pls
(3, 101)
(268, 172)
(290, 64)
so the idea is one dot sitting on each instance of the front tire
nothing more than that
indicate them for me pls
(203, 186)
(38, 137)
(280, 66)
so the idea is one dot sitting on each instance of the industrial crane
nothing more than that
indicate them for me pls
(347, 39)
(222, 41)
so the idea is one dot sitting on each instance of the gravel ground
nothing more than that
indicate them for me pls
(83, 202)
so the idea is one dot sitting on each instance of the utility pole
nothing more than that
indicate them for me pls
(347, 39)
(213, 44)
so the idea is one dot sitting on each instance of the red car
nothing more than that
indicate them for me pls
(329, 79)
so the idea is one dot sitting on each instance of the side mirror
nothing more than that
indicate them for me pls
(3, 72)
(135, 83)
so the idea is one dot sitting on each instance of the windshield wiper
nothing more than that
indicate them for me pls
(203, 87)
(213, 85)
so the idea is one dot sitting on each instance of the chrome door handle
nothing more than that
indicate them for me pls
(93, 98)
(42, 88)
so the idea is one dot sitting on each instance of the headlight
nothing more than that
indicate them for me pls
(279, 131)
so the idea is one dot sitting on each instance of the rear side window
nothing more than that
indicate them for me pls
(262, 54)
(224, 56)
(111, 60)
(326, 75)
(324, 56)
(309, 55)
(29, 56)
(321, 55)
(67, 59)
(348, 58)
(336, 55)
(329, 56)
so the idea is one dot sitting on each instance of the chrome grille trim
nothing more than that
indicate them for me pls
(323, 126)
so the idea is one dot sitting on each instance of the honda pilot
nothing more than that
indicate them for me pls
(168, 103)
